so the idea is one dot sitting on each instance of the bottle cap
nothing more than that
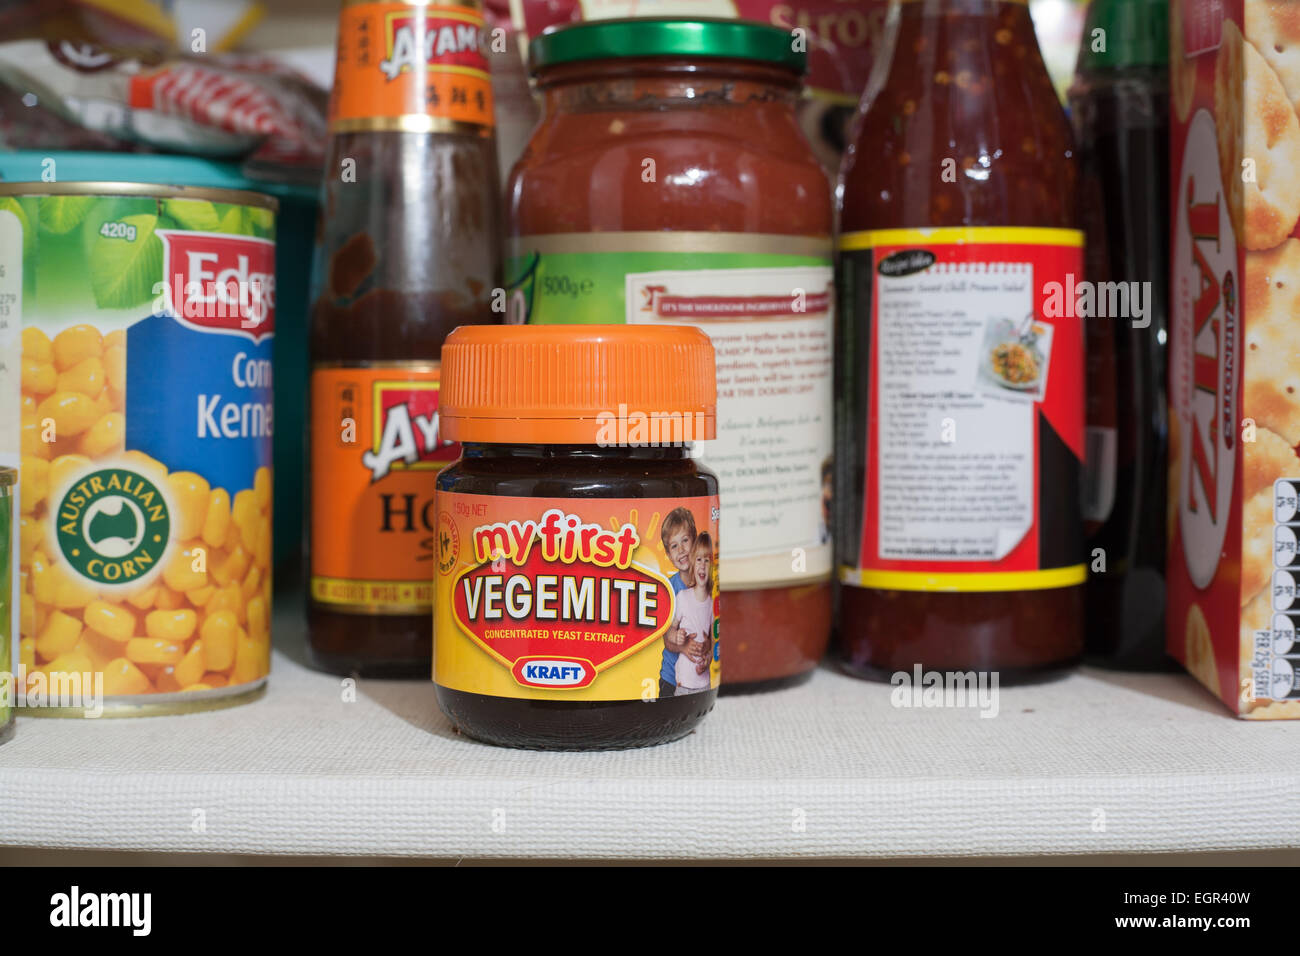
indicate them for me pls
(1134, 33)
(578, 385)
(644, 37)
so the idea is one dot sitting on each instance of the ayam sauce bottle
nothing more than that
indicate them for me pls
(408, 250)
(960, 377)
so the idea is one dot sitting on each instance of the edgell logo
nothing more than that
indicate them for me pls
(74, 909)
(219, 283)
(113, 526)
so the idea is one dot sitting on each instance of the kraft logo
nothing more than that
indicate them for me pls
(218, 283)
(557, 672)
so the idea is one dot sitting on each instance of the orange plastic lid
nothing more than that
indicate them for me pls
(578, 385)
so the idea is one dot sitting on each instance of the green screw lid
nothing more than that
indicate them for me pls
(636, 37)
(1134, 32)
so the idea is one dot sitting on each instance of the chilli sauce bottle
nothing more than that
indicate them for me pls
(1120, 107)
(961, 418)
(408, 251)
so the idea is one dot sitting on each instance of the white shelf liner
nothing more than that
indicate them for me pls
(1095, 763)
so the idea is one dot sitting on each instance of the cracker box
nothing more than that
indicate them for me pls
(1234, 373)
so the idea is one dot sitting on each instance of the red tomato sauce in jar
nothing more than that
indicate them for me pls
(959, 533)
(669, 182)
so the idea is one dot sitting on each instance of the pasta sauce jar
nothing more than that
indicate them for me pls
(576, 602)
(961, 372)
(669, 182)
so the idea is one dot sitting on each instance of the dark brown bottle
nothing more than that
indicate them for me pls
(1120, 107)
(408, 250)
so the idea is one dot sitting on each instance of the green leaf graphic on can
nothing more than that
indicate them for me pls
(263, 221)
(61, 214)
(125, 261)
(250, 221)
(196, 214)
(235, 222)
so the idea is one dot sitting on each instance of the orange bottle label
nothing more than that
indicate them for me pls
(376, 450)
(413, 67)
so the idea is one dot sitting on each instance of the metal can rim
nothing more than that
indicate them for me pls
(243, 197)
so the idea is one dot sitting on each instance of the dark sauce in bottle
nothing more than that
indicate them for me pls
(408, 249)
(1120, 109)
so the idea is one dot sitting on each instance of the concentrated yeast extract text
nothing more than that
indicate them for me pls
(145, 437)
(571, 600)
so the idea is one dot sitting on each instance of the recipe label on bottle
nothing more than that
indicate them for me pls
(411, 67)
(376, 451)
(768, 305)
(577, 598)
(975, 419)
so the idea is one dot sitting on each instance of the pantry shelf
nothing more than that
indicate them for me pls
(1094, 763)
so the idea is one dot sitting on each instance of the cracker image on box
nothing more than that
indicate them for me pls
(1273, 28)
(1234, 477)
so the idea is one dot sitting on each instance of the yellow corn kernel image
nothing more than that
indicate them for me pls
(201, 621)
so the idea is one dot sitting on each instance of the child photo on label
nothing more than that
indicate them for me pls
(688, 644)
(694, 617)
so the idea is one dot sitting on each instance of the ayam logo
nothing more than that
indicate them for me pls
(406, 429)
(557, 600)
(218, 283)
(445, 42)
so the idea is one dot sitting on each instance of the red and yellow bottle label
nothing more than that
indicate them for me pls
(577, 599)
(974, 382)
(376, 451)
(413, 67)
